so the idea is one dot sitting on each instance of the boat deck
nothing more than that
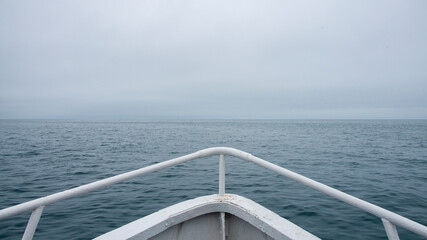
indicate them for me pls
(213, 217)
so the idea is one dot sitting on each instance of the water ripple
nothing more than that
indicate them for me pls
(383, 162)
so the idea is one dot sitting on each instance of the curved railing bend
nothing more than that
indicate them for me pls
(388, 218)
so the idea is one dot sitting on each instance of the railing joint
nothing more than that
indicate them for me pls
(390, 229)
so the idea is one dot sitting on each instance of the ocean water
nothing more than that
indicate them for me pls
(381, 161)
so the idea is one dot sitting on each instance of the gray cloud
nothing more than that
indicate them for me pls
(220, 59)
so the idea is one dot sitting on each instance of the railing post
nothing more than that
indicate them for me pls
(32, 223)
(390, 229)
(221, 175)
(222, 191)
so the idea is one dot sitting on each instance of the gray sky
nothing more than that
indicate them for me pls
(213, 59)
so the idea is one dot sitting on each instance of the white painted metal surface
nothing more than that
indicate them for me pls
(267, 222)
(391, 230)
(222, 221)
(391, 217)
(221, 191)
(221, 180)
(32, 223)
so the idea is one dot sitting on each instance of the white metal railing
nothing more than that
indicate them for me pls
(389, 219)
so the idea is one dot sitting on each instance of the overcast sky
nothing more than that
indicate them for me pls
(213, 59)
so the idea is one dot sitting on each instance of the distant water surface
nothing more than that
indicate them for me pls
(381, 161)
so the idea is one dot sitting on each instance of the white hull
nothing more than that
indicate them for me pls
(201, 218)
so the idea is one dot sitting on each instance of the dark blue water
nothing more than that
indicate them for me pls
(381, 161)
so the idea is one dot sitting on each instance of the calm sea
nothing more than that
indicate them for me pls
(381, 161)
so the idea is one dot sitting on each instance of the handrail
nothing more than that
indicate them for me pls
(389, 218)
